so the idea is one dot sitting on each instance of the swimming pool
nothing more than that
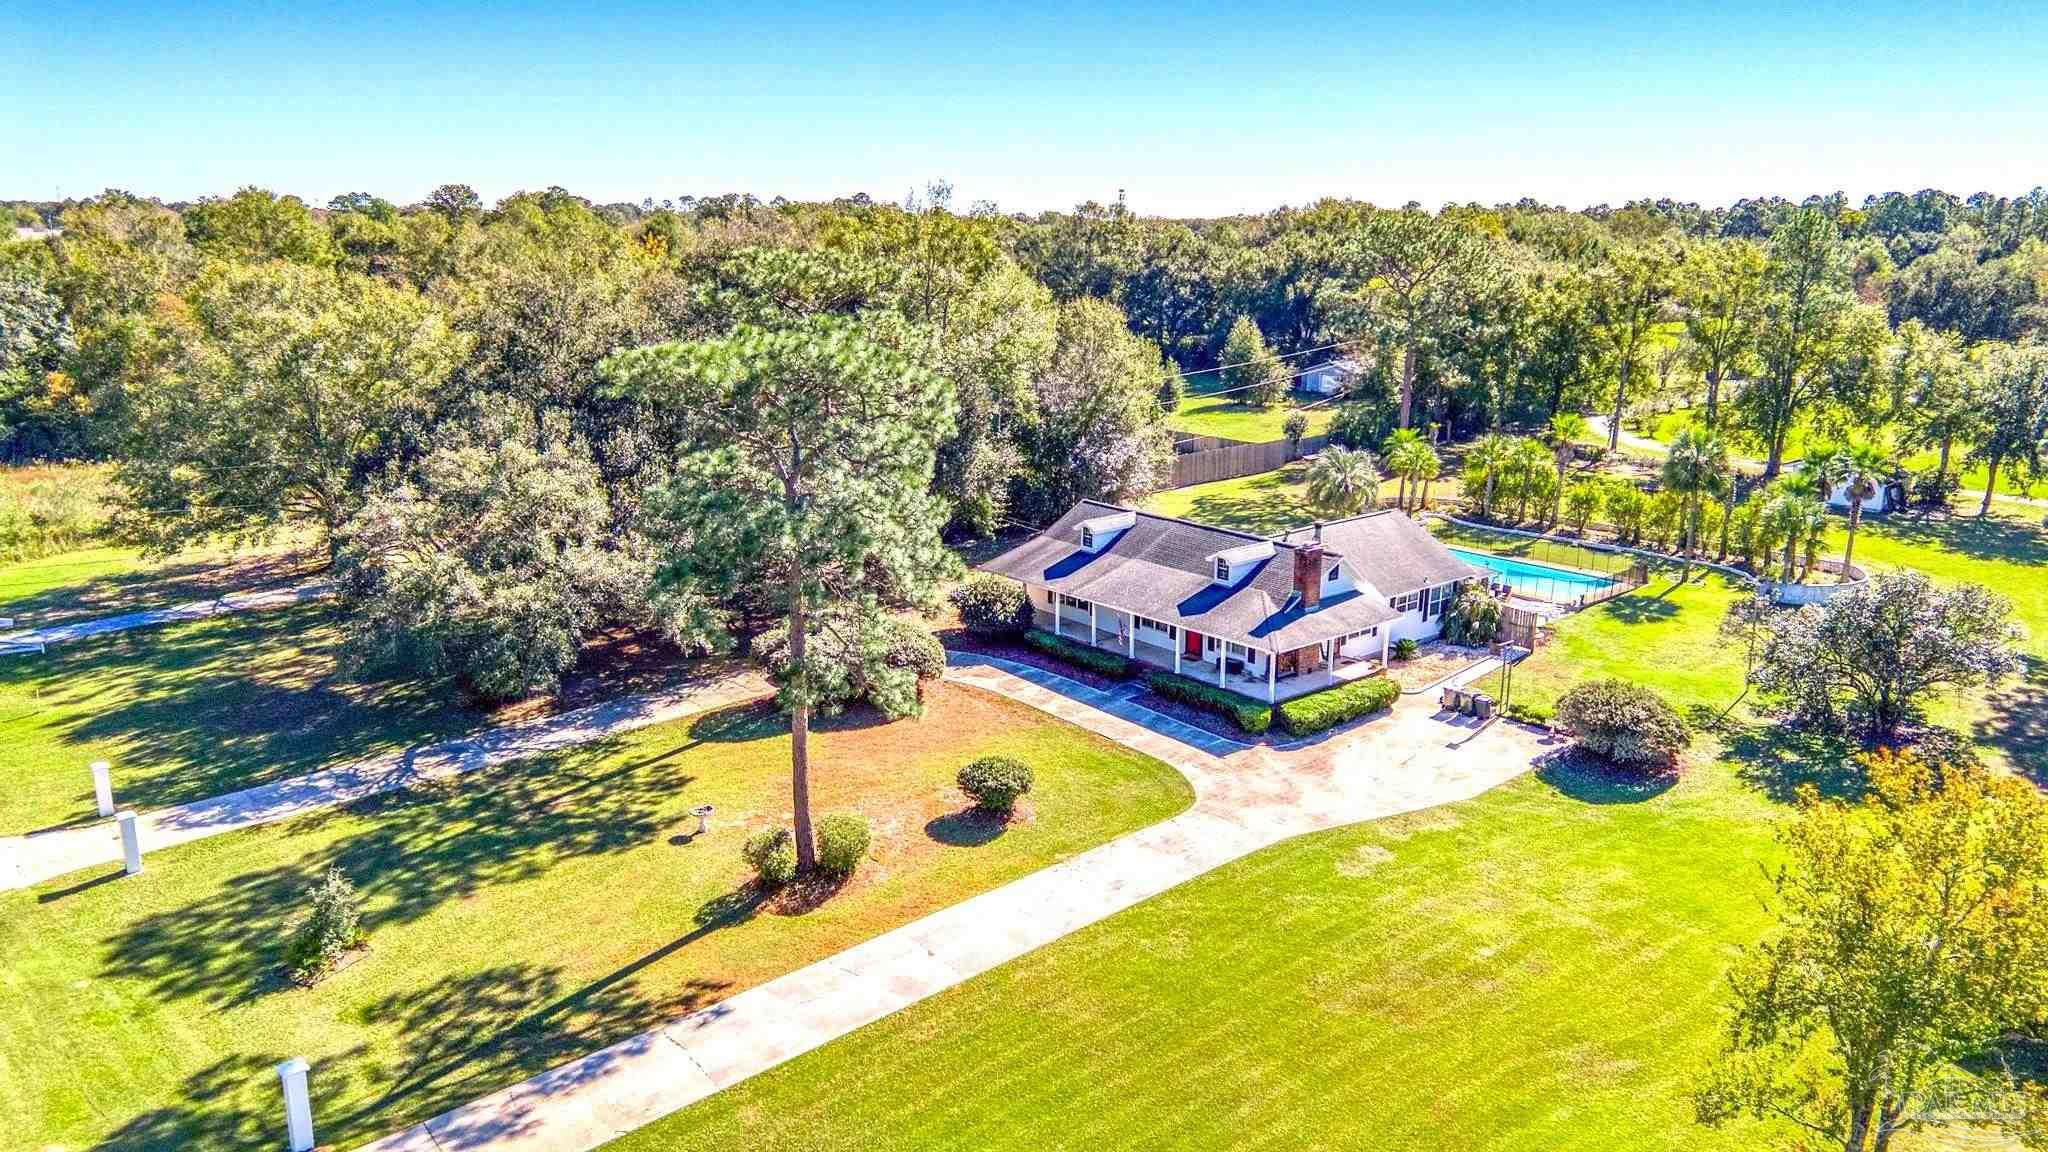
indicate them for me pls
(1538, 581)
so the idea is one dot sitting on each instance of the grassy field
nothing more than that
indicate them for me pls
(1536, 968)
(517, 918)
(1201, 415)
(192, 710)
(1268, 502)
(104, 579)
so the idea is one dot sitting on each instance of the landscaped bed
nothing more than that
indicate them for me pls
(517, 918)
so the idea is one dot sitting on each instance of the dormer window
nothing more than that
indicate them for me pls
(1335, 571)
(1223, 571)
(1088, 538)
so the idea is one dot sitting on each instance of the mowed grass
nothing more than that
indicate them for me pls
(518, 918)
(1200, 415)
(1537, 968)
(192, 710)
(1266, 503)
(105, 579)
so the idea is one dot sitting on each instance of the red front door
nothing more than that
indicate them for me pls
(1192, 646)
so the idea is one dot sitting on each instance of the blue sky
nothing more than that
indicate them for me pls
(1191, 108)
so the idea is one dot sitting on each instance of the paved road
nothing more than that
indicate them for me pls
(1245, 799)
(27, 860)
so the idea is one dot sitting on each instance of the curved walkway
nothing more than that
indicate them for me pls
(27, 860)
(33, 639)
(1245, 799)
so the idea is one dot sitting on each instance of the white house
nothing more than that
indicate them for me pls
(1271, 616)
(1889, 497)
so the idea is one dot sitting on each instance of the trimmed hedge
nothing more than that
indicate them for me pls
(1330, 707)
(1248, 714)
(1081, 656)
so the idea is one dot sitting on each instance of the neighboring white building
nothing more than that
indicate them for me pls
(1889, 497)
(1330, 378)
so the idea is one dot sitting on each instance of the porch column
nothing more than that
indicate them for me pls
(1131, 635)
(1222, 661)
(1091, 623)
(1272, 672)
(1057, 608)
(1180, 639)
(1386, 639)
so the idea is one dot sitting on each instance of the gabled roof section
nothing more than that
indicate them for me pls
(1389, 551)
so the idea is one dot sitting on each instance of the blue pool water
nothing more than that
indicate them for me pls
(1538, 581)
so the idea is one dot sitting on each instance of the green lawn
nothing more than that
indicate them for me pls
(1223, 416)
(1536, 968)
(192, 710)
(106, 579)
(518, 918)
(1265, 502)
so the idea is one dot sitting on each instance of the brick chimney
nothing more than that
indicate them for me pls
(1308, 570)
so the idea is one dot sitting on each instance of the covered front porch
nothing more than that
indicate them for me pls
(1254, 672)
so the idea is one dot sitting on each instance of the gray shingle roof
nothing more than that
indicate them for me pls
(1160, 568)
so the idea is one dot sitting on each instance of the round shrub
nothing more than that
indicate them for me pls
(1624, 723)
(992, 605)
(842, 842)
(772, 855)
(995, 782)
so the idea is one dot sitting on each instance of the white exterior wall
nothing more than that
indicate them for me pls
(1362, 647)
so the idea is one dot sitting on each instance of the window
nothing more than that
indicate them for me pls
(1223, 571)
(1073, 601)
(1335, 571)
(1088, 538)
(1172, 633)
(1408, 603)
(1438, 597)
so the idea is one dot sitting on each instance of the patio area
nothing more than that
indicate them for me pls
(1286, 685)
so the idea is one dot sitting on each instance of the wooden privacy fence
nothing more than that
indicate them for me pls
(1233, 460)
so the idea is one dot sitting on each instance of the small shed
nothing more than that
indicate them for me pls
(1332, 376)
(1889, 497)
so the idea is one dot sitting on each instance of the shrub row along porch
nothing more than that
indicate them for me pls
(1273, 618)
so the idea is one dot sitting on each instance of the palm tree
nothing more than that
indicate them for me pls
(1797, 517)
(1530, 462)
(1566, 428)
(1341, 481)
(1488, 456)
(1863, 466)
(1696, 466)
(1422, 463)
(1391, 448)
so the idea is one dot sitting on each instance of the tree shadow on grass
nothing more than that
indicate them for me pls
(2018, 723)
(1640, 609)
(1590, 780)
(1780, 759)
(206, 1115)
(417, 848)
(1990, 538)
(970, 827)
(764, 720)
(217, 705)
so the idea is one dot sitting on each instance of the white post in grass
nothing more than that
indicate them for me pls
(131, 843)
(298, 1105)
(103, 786)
